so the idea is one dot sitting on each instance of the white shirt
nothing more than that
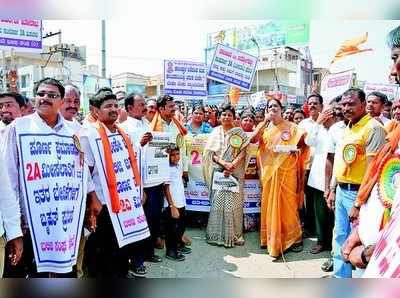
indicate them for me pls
(384, 119)
(335, 137)
(176, 186)
(308, 125)
(317, 139)
(10, 216)
(135, 127)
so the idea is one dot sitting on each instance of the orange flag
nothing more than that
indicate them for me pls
(350, 47)
(234, 95)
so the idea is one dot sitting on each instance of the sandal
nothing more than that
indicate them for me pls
(297, 247)
(240, 241)
(327, 266)
(316, 249)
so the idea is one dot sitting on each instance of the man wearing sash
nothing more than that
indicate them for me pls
(46, 169)
(112, 160)
(163, 121)
(361, 140)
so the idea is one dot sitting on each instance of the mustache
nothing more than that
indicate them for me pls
(72, 109)
(45, 102)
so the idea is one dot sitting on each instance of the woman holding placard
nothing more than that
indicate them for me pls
(281, 156)
(224, 168)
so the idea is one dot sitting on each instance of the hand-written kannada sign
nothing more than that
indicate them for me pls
(55, 195)
(129, 223)
(233, 67)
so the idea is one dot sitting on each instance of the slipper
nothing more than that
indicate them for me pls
(316, 249)
(297, 247)
(327, 266)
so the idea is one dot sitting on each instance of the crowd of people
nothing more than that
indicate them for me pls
(320, 174)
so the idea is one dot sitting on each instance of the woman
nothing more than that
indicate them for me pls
(198, 125)
(211, 115)
(298, 116)
(250, 220)
(224, 156)
(281, 155)
(259, 117)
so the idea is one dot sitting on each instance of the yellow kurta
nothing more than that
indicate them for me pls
(282, 178)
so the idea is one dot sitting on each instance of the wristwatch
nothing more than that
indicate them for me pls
(356, 205)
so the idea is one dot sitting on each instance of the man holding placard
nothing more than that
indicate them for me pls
(112, 160)
(46, 169)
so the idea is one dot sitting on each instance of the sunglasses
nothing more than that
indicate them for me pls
(50, 95)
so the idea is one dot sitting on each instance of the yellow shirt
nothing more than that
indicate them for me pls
(368, 135)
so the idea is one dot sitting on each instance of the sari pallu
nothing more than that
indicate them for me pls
(225, 222)
(282, 178)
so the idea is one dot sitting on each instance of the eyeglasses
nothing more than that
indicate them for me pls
(7, 105)
(50, 95)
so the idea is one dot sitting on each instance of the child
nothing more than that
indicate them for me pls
(175, 210)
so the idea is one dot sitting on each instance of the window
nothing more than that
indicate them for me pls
(25, 81)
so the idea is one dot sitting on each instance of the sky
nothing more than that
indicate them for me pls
(140, 47)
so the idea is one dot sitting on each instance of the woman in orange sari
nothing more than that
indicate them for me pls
(281, 157)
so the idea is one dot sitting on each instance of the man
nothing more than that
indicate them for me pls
(315, 104)
(112, 161)
(375, 103)
(379, 218)
(137, 127)
(164, 121)
(361, 140)
(48, 145)
(151, 105)
(12, 105)
(29, 107)
(288, 114)
(394, 123)
(335, 136)
(91, 118)
(387, 109)
(10, 225)
(71, 105)
(317, 139)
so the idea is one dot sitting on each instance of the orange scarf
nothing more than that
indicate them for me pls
(156, 124)
(391, 126)
(110, 174)
(374, 169)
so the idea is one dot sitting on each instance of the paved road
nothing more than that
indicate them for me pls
(248, 261)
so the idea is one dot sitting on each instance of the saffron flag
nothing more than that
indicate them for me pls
(350, 47)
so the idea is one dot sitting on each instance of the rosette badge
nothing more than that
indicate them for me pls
(349, 153)
(236, 141)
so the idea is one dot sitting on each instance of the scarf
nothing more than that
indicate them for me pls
(156, 124)
(375, 167)
(110, 174)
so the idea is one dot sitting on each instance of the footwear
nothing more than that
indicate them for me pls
(316, 249)
(160, 243)
(185, 250)
(297, 247)
(140, 270)
(327, 266)
(154, 259)
(175, 256)
(186, 239)
(240, 241)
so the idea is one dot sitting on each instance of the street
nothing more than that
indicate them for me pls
(248, 261)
